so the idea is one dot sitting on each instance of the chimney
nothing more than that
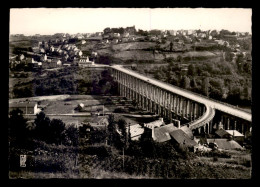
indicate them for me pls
(179, 124)
(153, 133)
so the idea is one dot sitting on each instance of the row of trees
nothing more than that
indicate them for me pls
(216, 79)
(65, 82)
(42, 129)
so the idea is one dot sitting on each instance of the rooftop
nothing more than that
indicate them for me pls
(182, 138)
(162, 133)
(156, 123)
(234, 133)
(225, 144)
(22, 105)
(135, 130)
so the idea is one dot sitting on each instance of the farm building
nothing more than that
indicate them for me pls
(27, 107)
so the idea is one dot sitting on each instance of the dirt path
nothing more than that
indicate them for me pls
(40, 98)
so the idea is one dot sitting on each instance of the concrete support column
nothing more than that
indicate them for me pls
(187, 108)
(177, 105)
(191, 110)
(242, 129)
(235, 125)
(180, 106)
(228, 122)
(195, 111)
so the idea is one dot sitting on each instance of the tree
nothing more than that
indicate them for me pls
(111, 128)
(57, 130)
(122, 127)
(193, 84)
(42, 126)
(191, 70)
(171, 45)
(73, 134)
(17, 126)
(185, 82)
(205, 86)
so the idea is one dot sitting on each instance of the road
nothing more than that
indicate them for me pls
(229, 109)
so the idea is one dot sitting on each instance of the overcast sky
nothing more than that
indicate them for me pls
(31, 21)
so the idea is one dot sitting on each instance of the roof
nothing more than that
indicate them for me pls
(156, 123)
(22, 105)
(225, 144)
(136, 130)
(162, 133)
(187, 130)
(182, 138)
(221, 132)
(55, 60)
(98, 119)
(234, 133)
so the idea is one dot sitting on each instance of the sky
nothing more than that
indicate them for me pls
(30, 21)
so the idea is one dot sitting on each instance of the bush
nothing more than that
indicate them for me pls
(100, 151)
(215, 159)
(120, 110)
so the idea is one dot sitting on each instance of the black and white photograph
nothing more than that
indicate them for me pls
(130, 93)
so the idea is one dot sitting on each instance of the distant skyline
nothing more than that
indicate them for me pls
(30, 21)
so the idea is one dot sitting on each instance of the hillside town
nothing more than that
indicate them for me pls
(69, 50)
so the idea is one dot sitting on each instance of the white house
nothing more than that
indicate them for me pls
(80, 53)
(83, 41)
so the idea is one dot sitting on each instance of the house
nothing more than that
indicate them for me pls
(125, 35)
(80, 53)
(153, 124)
(130, 30)
(85, 62)
(188, 131)
(161, 134)
(135, 131)
(26, 107)
(21, 57)
(106, 36)
(173, 32)
(57, 61)
(225, 144)
(115, 41)
(228, 134)
(42, 50)
(202, 35)
(83, 42)
(94, 54)
(116, 35)
(180, 138)
(237, 136)
(43, 58)
(99, 121)
(125, 39)
(52, 49)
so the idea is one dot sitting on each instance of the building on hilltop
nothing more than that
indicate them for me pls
(130, 30)
(84, 62)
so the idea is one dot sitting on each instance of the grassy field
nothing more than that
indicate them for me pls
(66, 104)
(133, 46)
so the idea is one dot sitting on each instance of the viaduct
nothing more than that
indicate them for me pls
(198, 112)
